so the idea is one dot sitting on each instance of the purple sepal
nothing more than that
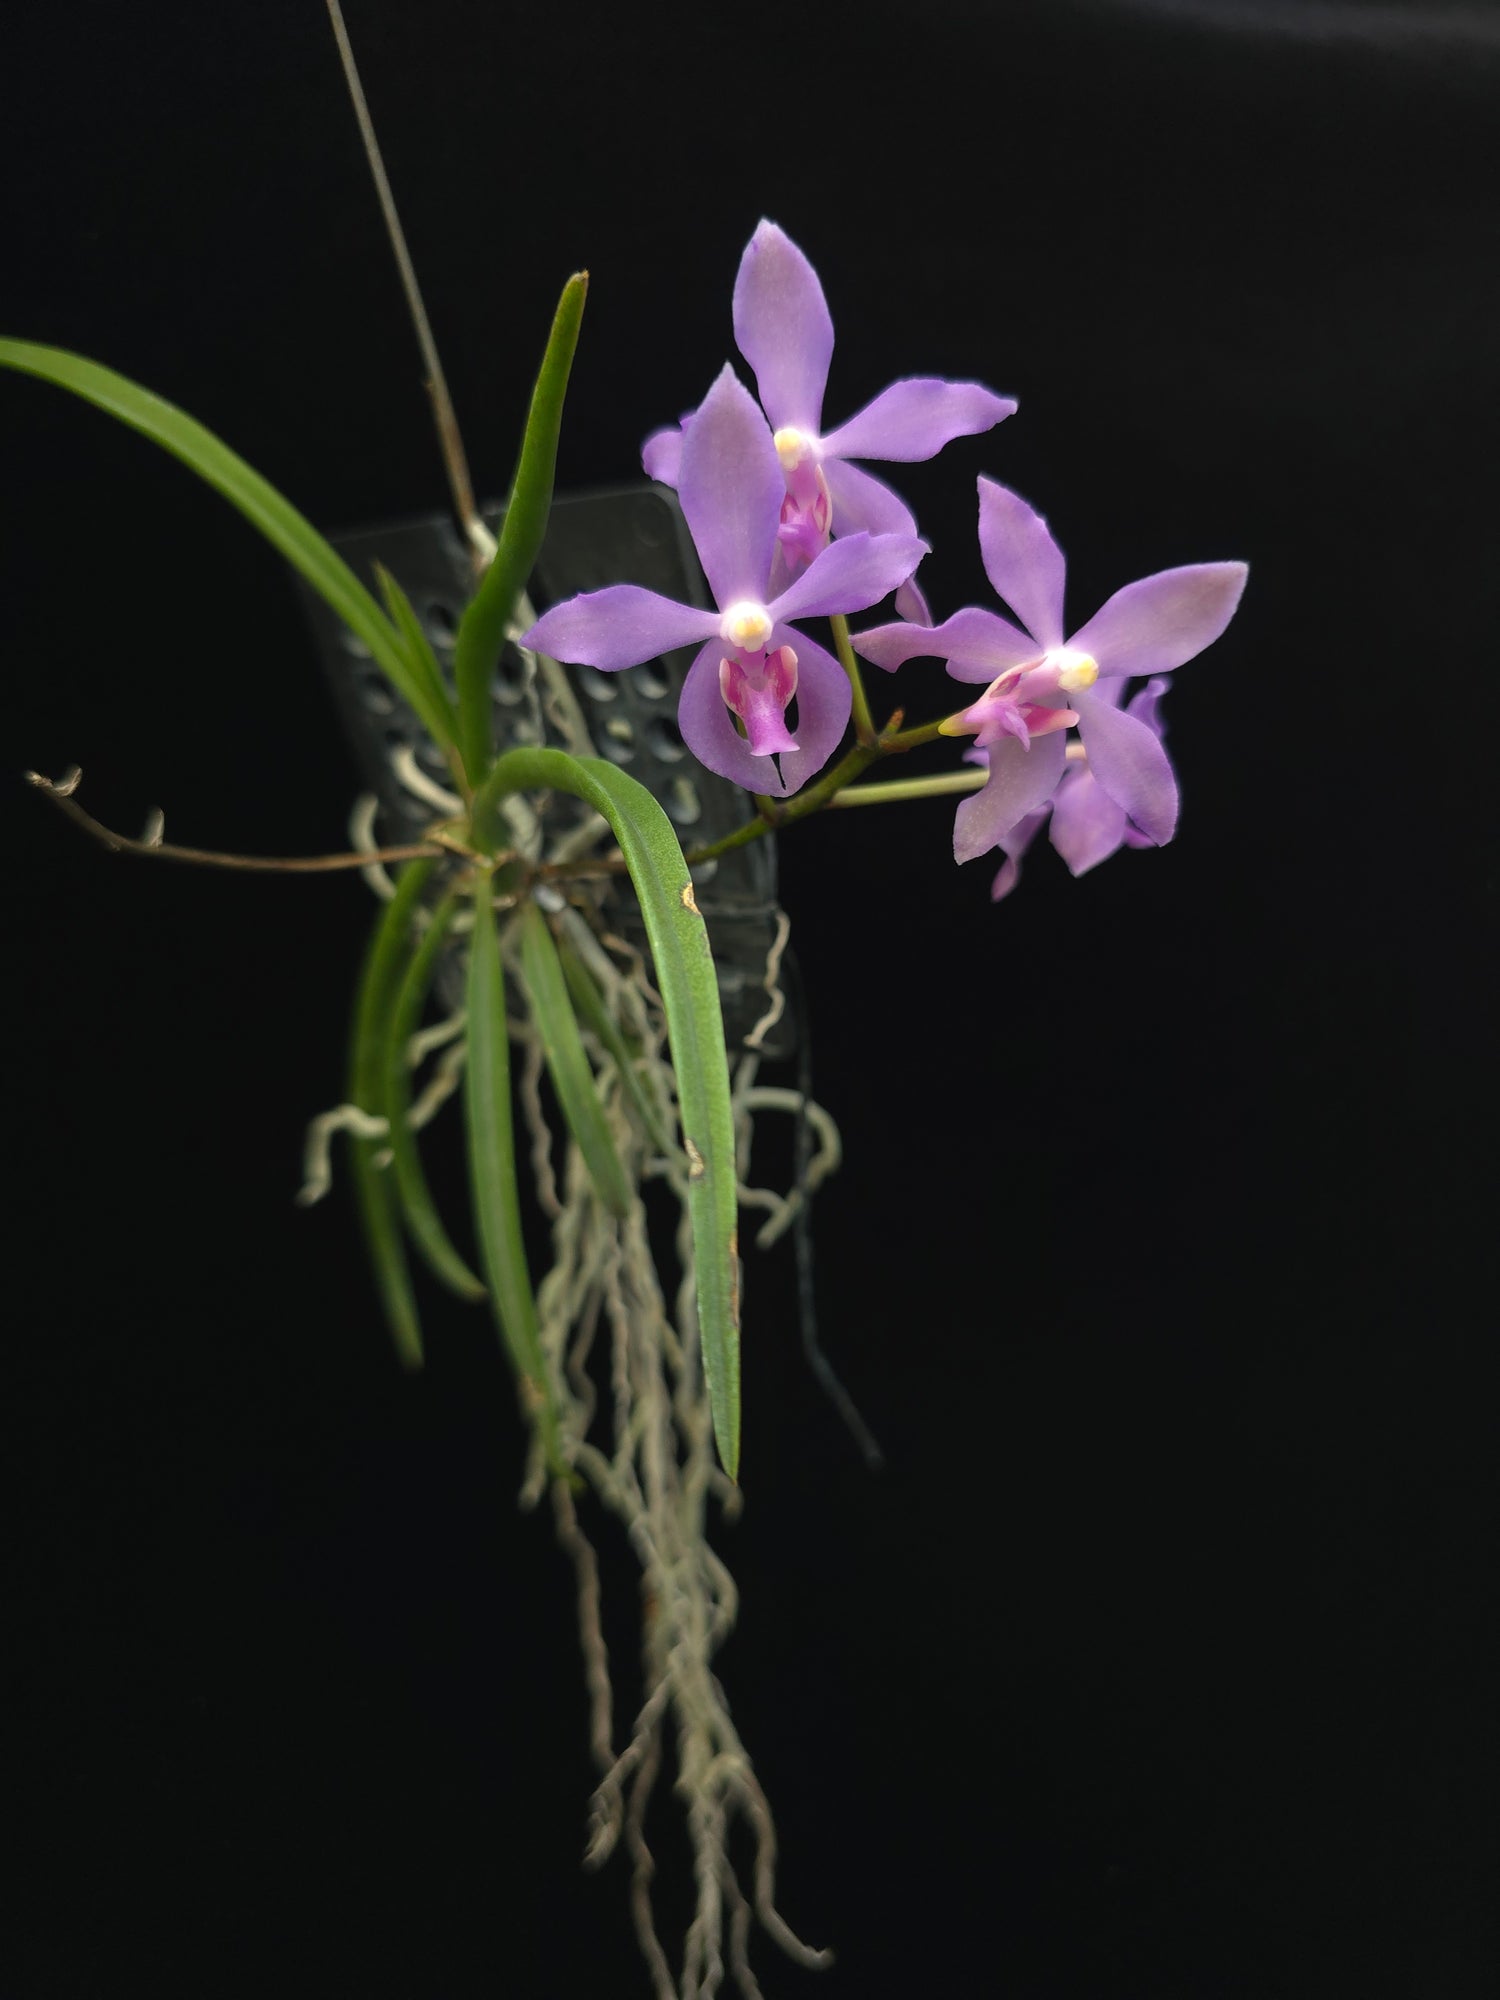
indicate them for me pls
(1022, 561)
(1087, 824)
(1021, 780)
(783, 328)
(731, 488)
(1128, 761)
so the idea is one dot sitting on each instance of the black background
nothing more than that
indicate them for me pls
(1160, 1661)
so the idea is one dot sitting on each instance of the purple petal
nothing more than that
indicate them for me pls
(1022, 561)
(731, 487)
(863, 504)
(912, 605)
(661, 455)
(1144, 705)
(1127, 758)
(618, 627)
(1020, 782)
(850, 575)
(783, 328)
(977, 644)
(915, 419)
(1014, 845)
(823, 701)
(1087, 825)
(1154, 625)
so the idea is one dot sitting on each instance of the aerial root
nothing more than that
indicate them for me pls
(317, 1162)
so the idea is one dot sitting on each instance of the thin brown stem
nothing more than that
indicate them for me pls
(61, 793)
(449, 441)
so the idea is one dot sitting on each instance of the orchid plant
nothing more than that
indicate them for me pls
(790, 530)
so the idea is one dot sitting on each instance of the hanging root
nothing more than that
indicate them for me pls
(638, 1430)
(317, 1164)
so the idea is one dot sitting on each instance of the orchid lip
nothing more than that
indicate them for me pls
(746, 625)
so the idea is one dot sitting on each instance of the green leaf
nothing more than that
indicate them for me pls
(422, 1220)
(374, 1192)
(567, 1064)
(277, 519)
(423, 660)
(595, 1015)
(481, 631)
(492, 1173)
(695, 1030)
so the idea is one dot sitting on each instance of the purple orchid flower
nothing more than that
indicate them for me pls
(1087, 826)
(1040, 684)
(783, 328)
(752, 662)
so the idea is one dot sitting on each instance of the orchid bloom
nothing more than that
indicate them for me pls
(751, 662)
(1087, 826)
(1040, 683)
(783, 328)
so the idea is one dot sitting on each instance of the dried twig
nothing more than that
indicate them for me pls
(61, 790)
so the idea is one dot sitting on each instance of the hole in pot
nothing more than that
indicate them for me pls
(664, 739)
(683, 803)
(442, 623)
(510, 677)
(596, 685)
(619, 740)
(376, 696)
(353, 645)
(652, 680)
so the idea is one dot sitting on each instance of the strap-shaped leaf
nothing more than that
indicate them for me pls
(418, 646)
(422, 1220)
(695, 1030)
(374, 1192)
(567, 1065)
(481, 631)
(492, 1173)
(592, 1011)
(277, 519)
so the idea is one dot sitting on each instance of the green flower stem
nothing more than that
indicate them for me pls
(894, 742)
(942, 782)
(864, 721)
(890, 742)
